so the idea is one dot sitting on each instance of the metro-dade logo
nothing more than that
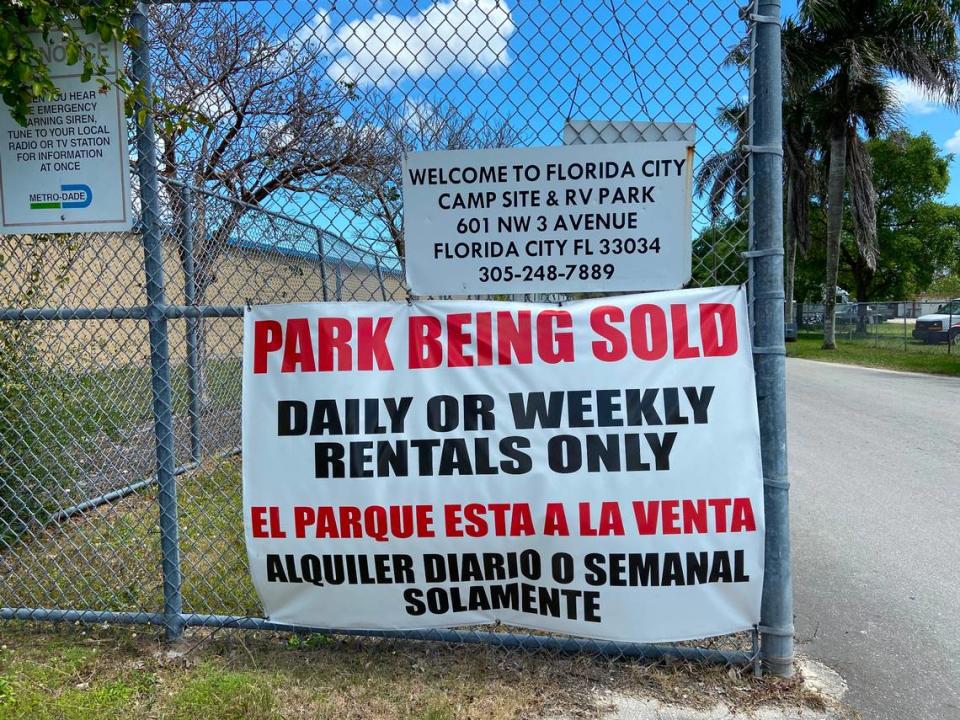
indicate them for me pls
(70, 197)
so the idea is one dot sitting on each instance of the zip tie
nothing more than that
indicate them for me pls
(764, 149)
(774, 483)
(770, 350)
(761, 253)
(782, 631)
(770, 660)
(764, 19)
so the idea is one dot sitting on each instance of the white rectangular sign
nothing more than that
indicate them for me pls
(590, 469)
(68, 169)
(573, 218)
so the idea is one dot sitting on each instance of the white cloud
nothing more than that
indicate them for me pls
(418, 112)
(914, 99)
(277, 134)
(468, 35)
(313, 33)
(212, 102)
(953, 143)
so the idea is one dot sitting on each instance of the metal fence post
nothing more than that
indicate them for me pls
(322, 257)
(383, 287)
(190, 298)
(159, 350)
(776, 615)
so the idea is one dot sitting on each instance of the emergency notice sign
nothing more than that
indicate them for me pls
(67, 170)
(590, 469)
(571, 218)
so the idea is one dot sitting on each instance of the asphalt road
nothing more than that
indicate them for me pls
(875, 472)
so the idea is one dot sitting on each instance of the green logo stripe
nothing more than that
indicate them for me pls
(45, 206)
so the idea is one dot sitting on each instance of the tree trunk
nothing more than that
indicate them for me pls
(863, 296)
(790, 260)
(206, 398)
(836, 179)
(208, 250)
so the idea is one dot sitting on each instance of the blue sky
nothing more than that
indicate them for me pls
(531, 63)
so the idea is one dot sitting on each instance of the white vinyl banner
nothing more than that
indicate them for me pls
(591, 468)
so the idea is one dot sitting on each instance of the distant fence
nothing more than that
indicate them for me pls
(920, 326)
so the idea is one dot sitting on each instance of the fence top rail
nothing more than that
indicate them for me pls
(378, 258)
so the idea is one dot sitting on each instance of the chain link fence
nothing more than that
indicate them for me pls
(120, 354)
(913, 326)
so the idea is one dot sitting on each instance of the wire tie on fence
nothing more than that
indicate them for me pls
(770, 295)
(769, 350)
(764, 19)
(766, 252)
(781, 631)
(764, 149)
(777, 659)
(774, 483)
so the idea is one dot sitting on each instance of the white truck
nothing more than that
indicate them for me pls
(941, 326)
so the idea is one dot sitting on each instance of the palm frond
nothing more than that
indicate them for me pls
(719, 175)
(710, 168)
(798, 172)
(863, 199)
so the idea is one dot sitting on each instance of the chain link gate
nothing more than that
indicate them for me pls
(120, 354)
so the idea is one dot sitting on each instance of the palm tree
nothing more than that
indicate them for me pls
(728, 172)
(848, 50)
(722, 175)
(799, 150)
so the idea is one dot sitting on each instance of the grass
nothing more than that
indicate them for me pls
(113, 400)
(883, 347)
(53, 419)
(109, 559)
(70, 673)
